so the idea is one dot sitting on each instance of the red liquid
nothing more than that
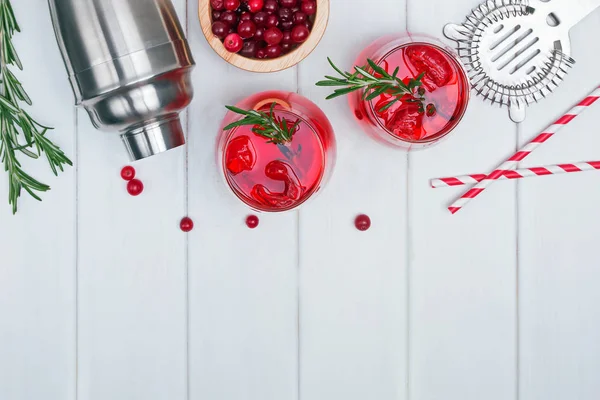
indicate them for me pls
(278, 177)
(446, 94)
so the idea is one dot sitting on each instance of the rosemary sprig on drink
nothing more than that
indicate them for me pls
(19, 132)
(268, 125)
(375, 81)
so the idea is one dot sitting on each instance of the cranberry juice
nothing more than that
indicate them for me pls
(278, 177)
(435, 108)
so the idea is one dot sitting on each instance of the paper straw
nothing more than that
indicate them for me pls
(518, 174)
(512, 162)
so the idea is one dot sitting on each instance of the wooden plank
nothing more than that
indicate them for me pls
(353, 284)
(242, 283)
(558, 258)
(462, 267)
(132, 276)
(37, 271)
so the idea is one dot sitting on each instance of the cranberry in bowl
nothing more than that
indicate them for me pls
(263, 35)
(276, 150)
(408, 91)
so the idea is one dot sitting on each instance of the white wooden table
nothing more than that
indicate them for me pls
(103, 297)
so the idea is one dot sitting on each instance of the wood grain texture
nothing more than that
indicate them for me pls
(353, 284)
(37, 246)
(462, 267)
(279, 64)
(242, 282)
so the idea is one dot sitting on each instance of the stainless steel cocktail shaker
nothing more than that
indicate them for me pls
(129, 65)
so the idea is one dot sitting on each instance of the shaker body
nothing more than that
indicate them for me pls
(129, 65)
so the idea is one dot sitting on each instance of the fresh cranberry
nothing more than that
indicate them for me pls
(260, 34)
(255, 5)
(216, 15)
(285, 14)
(186, 224)
(230, 18)
(233, 42)
(220, 29)
(287, 37)
(299, 18)
(300, 33)
(246, 29)
(309, 7)
(135, 187)
(128, 173)
(232, 5)
(286, 47)
(273, 51)
(249, 50)
(271, 6)
(252, 221)
(245, 16)
(260, 18)
(362, 222)
(217, 5)
(287, 25)
(273, 36)
(288, 3)
(261, 54)
(272, 21)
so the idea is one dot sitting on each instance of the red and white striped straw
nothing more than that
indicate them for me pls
(518, 174)
(512, 162)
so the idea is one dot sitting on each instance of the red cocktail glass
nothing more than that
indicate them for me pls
(275, 177)
(445, 91)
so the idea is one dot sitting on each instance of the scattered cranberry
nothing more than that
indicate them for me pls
(220, 29)
(252, 221)
(233, 42)
(246, 29)
(309, 7)
(255, 5)
(300, 34)
(217, 5)
(362, 222)
(128, 173)
(232, 5)
(186, 224)
(135, 187)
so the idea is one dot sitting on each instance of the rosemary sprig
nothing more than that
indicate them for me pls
(267, 125)
(365, 78)
(19, 132)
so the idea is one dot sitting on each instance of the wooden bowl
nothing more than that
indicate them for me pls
(274, 65)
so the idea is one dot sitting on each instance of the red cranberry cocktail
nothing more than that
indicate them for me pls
(278, 153)
(435, 106)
